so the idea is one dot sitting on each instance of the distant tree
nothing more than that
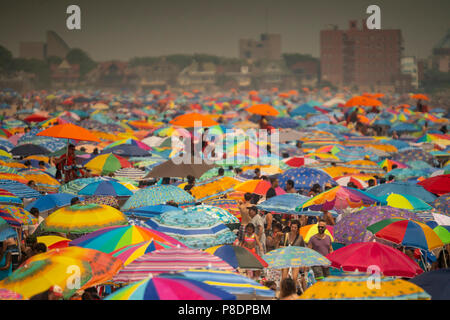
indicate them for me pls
(78, 56)
(293, 58)
(6, 60)
(54, 60)
(435, 81)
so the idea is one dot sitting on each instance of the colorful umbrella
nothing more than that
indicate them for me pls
(54, 242)
(154, 195)
(170, 288)
(169, 260)
(111, 239)
(311, 229)
(438, 184)
(16, 215)
(81, 218)
(105, 188)
(263, 109)
(305, 178)
(43, 181)
(218, 213)
(442, 204)
(403, 188)
(355, 287)
(190, 120)
(407, 233)
(107, 163)
(69, 131)
(257, 186)
(293, 256)
(7, 197)
(405, 202)
(132, 142)
(364, 255)
(285, 203)
(6, 231)
(130, 253)
(238, 257)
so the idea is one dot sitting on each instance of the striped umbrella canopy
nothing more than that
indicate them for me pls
(19, 189)
(15, 177)
(16, 215)
(107, 163)
(130, 253)
(257, 186)
(230, 205)
(407, 233)
(233, 283)
(238, 257)
(74, 186)
(169, 260)
(293, 256)
(130, 173)
(7, 197)
(54, 242)
(403, 188)
(105, 188)
(353, 286)
(154, 195)
(170, 288)
(352, 226)
(364, 255)
(6, 231)
(111, 239)
(44, 182)
(81, 218)
(442, 204)
(402, 201)
(213, 187)
(285, 203)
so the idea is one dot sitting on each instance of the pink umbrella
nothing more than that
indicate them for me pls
(361, 256)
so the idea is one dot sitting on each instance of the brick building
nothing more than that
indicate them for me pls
(362, 57)
(268, 48)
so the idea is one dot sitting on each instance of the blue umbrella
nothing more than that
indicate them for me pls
(399, 144)
(285, 203)
(304, 178)
(51, 201)
(151, 211)
(105, 188)
(284, 123)
(402, 188)
(19, 189)
(404, 127)
(436, 283)
(6, 231)
(303, 110)
(127, 150)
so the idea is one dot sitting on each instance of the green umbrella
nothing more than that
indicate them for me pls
(443, 233)
(293, 256)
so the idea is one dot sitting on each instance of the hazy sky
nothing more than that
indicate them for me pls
(124, 29)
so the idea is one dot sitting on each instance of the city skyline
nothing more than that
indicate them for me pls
(120, 31)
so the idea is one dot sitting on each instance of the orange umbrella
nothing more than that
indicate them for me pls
(69, 131)
(284, 95)
(13, 176)
(420, 96)
(263, 109)
(362, 101)
(188, 120)
(253, 93)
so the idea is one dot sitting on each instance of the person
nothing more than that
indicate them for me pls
(221, 172)
(274, 238)
(321, 243)
(290, 187)
(263, 123)
(288, 290)
(371, 183)
(328, 186)
(32, 228)
(328, 217)
(271, 192)
(257, 172)
(420, 107)
(66, 163)
(53, 293)
(5, 261)
(351, 184)
(190, 184)
(32, 184)
(272, 285)
(172, 203)
(245, 217)
(74, 201)
(293, 238)
(95, 152)
(315, 190)
(42, 165)
(443, 129)
(258, 223)
(251, 240)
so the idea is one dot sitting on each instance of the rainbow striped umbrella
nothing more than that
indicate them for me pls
(83, 218)
(16, 216)
(169, 260)
(407, 233)
(107, 163)
(9, 198)
(130, 253)
(170, 288)
(111, 239)
(132, 142)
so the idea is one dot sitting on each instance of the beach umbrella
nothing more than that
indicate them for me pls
(170, 288)
(443, 233)
(151, 211)
(407, 233)
(361, 256)
(238, 257)
(340, 198)
(236, 284)
(312, 229)
(38, 276)
(160, 194)
(15, 177)
(442, 204)
(74, 186)
(263, 110)
(69, 131)
(129, 141)
(16, 215)
(131, 252)
(285, 203)
(21, 190)
(6, 231)
(293, 256)
(7, 197)
(405, 202)
(419, 96)
(190, 120)
(257, 186)
(362, 101)
(169, 260)
(299, 161)
(351, 228)
(194, 229)
(407, 155)
(81, 218)
(107, 163)
(105, 188)
(43, 181)
(127, 150)
(217, 213)
(53, 242)
(438, 185)
(171, 168)
(354, 286)
(28, 150)
(51, 201)
(436, 283)
(304, 178)
(403, 188)
(111, 239)
(130, 173)
(103, 200)
(5, 155)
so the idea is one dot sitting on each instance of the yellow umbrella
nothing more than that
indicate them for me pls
(311, 229)
(38, 158)
(215, 187)
(340, 171)
(6, 154)
(43, 181)
(364, 287)
(100, 106)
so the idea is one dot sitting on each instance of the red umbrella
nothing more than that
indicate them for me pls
(439, 184)
(36, 118)
(360, 256)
